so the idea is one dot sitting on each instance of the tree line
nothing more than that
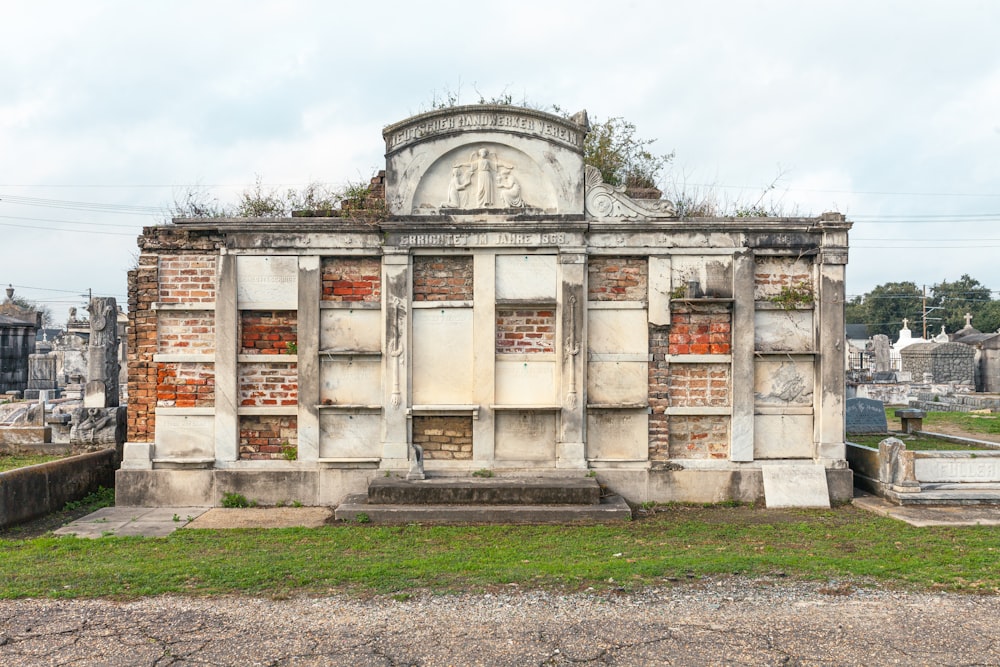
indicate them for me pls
(884, 307)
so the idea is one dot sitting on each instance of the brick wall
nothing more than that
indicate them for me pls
(617, 278)
(699, 437)
(699, 385)
(444, 437)
(263, 384)
(442, 278)
(771, 274)
(659, 393)
(141, 336)
(352, 279)
(267, 332)
(526, 331)
(700, 332)
(263, 437)
(185, 385)
(187, 278)
(186, 332)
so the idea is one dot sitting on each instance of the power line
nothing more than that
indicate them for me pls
(72, 222)
(84, 206)
(71, 231)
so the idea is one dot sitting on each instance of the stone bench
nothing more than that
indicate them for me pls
(912, 420)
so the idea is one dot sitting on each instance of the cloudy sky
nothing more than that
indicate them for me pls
(886, 111)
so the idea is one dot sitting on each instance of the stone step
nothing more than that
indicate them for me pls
(356, 508)
(485, 491)
(983, 495)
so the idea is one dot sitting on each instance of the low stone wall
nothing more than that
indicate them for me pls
(955, 402)
(34, 491)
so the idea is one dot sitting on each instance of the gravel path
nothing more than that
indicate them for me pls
(710, 621)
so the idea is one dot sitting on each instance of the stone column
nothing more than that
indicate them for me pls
(571, 348)
(742, 348)
(227, 325)
(396, 290)
(308, 357)
(829, 402)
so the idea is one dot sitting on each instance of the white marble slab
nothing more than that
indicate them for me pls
(523, 435)
(349, 435)
(783, 436)
(184, 437)
(350, 380)
(795, 485)
(349, 329)
(526, 382)
(621, 435)
(622, 331)
(267, 282)
(442, 356)
(526, 277)
(617, 382)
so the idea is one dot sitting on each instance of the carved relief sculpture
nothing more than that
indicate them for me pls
(492, 177)
(510, 189)
(461, 178)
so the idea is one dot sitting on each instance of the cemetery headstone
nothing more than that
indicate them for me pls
(865, 415)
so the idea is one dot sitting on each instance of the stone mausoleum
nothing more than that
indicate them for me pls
(505, 310)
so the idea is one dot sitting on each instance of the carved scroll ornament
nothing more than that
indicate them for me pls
(609, 201)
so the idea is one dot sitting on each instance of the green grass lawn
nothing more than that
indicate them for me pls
(676, 543)
(11, 461)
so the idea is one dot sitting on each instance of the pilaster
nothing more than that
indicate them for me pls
(484, 360)
(396, 357)
(571, 349)
(308, 357)
(742, 347)
(227, 324)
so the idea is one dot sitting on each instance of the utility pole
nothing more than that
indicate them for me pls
(924, 311)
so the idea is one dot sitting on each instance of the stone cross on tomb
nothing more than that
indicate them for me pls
(906, 322)
(968, 319)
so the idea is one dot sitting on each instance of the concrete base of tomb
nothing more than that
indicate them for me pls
(164, 487)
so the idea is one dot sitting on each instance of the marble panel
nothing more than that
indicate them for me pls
(184, 437)
(442, 356)
(714, 274)
(617, 331)
(352, 330)
(349, 435)
(617, 382)
(956, 469)
(783, 381)
(350, 381)
(783, 436)
(526, 383)
(795, 485)
(618, 435)
(783, 330)
(267, 282)
(522, 435)
(526, 277)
